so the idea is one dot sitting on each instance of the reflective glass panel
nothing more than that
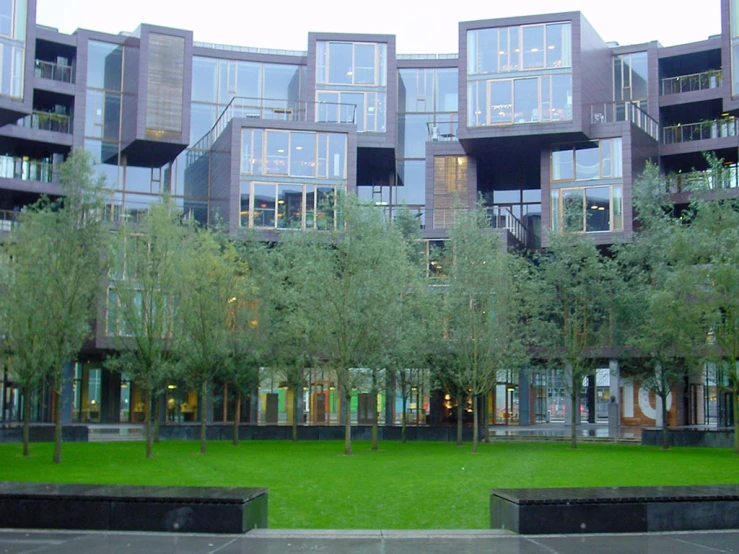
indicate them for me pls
(364, 64)
(597, 209)
(204, 71)
(587, 161)
(447, 92)
(249, 80)
(337, 156)
(104, 65)
(277, 153)
(501, 102)
(302, 154)
(340, 63)
(563, 167)
(281, 82)
(264, 205)
(411, 182)
(526, 100)
(290, 207)
(244, 208)
(533, 47)
(6, 17)
(572, 210)
(413, 133)
(559, 40)
(561, 97)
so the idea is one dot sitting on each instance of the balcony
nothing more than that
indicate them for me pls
(26, 169)
(614, 112)
(54, 71)
(691, 83)
(8, 220)
(498, 217)
(717, 128)
(46, 121)
(726, 178)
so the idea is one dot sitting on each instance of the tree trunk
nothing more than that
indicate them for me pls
(402, 420)
(295, 412)
(375, 423)
(58, 422)
(573, 422)
(476, 427)
(237, 419)
(459, 422)
(147, 424)
(348, 424)
(203, 416)
(26, 420)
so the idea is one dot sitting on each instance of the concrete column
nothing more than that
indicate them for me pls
(658, 420)
(67, 392)
(524, 399)
(614, 415)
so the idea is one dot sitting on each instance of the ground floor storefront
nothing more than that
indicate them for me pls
(93, 394)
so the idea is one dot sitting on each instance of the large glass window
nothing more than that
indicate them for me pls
(587, 209)
(519, 48)
(6, 17)
(204, 79)
(104, 65)
(521, 100)
(631, 79)
(365, 109)
(287, 206)
(351, 63)
(587, 161)
(293, 153)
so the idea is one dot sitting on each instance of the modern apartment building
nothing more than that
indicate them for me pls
(535, 115)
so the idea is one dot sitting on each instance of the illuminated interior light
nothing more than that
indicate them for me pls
(551, 47)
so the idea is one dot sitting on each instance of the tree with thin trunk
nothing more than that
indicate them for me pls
(143, 307)
(482, 310)
(658, 317)
(56, 258)
(572, 311)
(351, 280)
(213, 285)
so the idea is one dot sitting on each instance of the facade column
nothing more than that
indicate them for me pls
(524, 398)
(614, 415)
(67, 392)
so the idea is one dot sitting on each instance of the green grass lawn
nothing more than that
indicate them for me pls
(417, 485)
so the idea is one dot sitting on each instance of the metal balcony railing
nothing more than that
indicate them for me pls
(717, 128)
(25, 169)
(613, 112)
(8, 220)
(282, 110)
(726, 178)
(442, 132)
(690, 83)
(54, 71)
(498, 217)
(46, 121)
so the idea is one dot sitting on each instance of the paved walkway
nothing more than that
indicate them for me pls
(278, 541)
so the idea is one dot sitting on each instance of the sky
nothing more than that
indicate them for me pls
(421, 26)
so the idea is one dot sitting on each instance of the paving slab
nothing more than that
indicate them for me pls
(279, 541)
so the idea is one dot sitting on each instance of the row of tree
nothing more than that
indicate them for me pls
(194, 304)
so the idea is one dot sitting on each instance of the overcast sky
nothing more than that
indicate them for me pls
(421, 26)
